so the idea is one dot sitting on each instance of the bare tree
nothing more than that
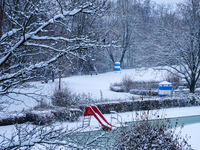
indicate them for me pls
(176, 42)
(127, 21)
(40, 35)
(121, 29)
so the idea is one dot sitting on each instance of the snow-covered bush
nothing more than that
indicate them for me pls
(65, 114)
(193, 99)
(127, 82)
(125, 85)
(62, 97)
(42, 104)
(146, 136)
(12, 118)
(46, 116)
(66, 98)
(117, 88)
(184, 99)
(144, 92)
(150, 135)
(40, 117)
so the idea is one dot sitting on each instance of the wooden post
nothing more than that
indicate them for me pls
(53, 74)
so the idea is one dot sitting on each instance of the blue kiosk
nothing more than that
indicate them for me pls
(164, 89)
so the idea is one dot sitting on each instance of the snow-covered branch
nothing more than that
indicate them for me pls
(27, 136)
(29, 35)
(9, 34)
(33, 42)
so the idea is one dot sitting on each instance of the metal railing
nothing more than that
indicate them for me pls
(118, 117)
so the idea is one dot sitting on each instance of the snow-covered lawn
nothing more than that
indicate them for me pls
(96, 84)
(98, 87)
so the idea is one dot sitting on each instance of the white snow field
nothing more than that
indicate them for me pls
(93, 85)
(97, 84)
(168, 1)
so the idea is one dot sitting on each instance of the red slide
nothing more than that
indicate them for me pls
(94, 111)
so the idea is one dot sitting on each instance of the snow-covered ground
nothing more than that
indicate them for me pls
(168, 1)
(98, 86)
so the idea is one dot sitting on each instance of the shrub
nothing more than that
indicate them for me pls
(82, 99)
(65, 98)
(42, 104)
(40, 117)
(62, 97)
(65, 114)
(155, 135)
(135, 87)
(146, 136)
(127, 82)
(193, 99)
(116, 88)
(144, 92)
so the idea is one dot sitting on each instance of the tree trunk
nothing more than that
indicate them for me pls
(1, 17)
(192, 86)
(125, 43)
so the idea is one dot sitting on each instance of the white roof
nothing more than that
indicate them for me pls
(164, 82)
